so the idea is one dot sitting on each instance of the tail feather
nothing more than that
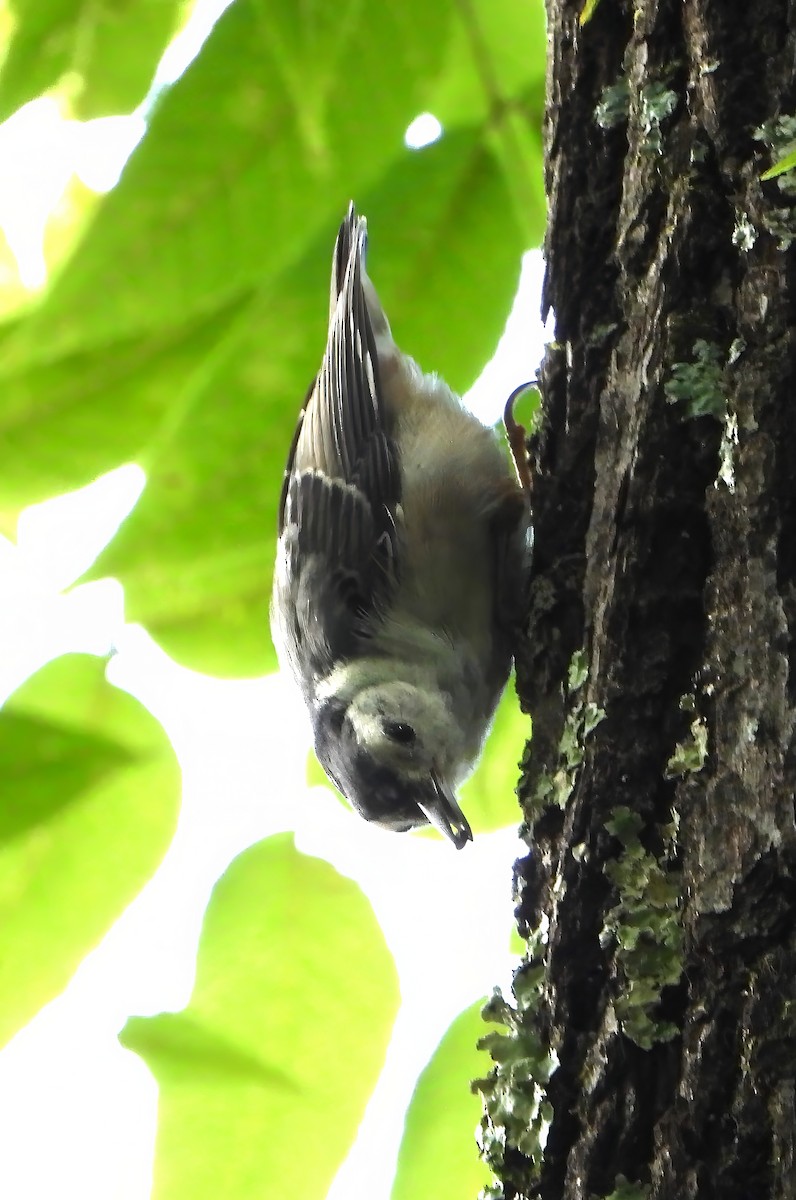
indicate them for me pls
(352, 240)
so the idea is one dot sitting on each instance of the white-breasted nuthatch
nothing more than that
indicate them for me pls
(402, 558)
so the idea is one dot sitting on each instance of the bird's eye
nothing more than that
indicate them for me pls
(399, 731)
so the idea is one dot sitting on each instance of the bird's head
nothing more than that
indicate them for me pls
(394, 752)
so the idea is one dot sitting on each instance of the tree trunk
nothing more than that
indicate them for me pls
(650, 1048)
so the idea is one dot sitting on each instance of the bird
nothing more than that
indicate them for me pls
(403, 558)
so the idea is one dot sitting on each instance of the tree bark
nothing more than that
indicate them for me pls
(650, 1046)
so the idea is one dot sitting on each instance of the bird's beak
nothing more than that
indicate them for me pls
(443, 811)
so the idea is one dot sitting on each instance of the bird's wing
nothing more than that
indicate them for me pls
(337, 562)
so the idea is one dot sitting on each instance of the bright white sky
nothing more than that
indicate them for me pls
(77, 1111)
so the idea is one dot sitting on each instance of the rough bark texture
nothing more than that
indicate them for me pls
(654, 1024)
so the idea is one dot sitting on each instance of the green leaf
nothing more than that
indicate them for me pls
(88, 807)
(197, 554)
(107, 51)
(265, 1075)
(438, 1155)
(787, 163)
(588, 11)
(187, 327)
(445, 253)
(489, 797)
(256, 150)
(495, 58)
(494, 78)
(209, 409)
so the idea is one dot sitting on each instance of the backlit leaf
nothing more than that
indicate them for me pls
(265, 1075)
(88, 807)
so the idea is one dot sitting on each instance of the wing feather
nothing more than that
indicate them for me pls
(338, 555)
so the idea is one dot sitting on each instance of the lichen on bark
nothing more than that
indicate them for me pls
(662, 846)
